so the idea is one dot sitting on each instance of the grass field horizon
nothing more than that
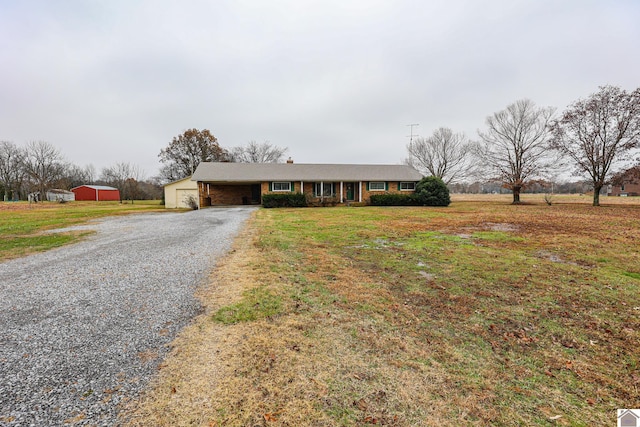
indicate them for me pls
(482, 313)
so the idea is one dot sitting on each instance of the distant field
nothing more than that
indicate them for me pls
(23, 225)
(481, 313)
(539, 199)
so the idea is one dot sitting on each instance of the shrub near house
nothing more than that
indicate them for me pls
(430, 191)
(287, 200)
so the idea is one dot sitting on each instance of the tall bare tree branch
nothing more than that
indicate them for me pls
(594, 133)
(515, 145)
(255, 152)
(445, 155)
(43, 165)
(11, 168)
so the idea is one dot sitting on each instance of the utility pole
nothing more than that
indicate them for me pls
(412, 135)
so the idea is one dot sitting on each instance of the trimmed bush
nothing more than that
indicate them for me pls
(394, 199)
(284, 200)
(432, 191)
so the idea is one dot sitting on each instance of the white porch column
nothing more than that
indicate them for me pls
(360, 192)
(321, 190)
(341, 198)
(302, 187)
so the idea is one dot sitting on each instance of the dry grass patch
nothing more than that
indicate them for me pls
(479, 313)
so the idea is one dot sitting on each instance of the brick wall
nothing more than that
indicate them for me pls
(215, 194)
(308, 189)
(629, 188)
(393, 188)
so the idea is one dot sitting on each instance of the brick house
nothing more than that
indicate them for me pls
(245, 183)
(626, 183)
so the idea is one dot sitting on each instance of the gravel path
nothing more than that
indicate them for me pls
(84, 327)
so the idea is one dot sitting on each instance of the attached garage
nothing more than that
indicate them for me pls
(96, 193)
(177, 193)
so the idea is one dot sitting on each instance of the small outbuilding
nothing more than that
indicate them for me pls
(96, 193)
(58, 195)
(177, 194)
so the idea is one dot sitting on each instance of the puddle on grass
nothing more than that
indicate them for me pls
(426, 275)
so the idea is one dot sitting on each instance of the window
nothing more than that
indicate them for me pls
(281, 186)
(326, 190)
(377, 186)
(407, 186)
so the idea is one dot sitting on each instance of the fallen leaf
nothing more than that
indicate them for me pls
(173, 390)
(591, 401)
(360, 404)
(370, 420)
(269, 417)
(555, 417)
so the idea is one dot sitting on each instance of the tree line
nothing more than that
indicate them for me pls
(525, 145)
(183, 154)
(39, 166)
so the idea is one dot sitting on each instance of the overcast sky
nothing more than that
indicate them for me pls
(335, 81)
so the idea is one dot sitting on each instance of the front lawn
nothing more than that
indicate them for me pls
(481, 313)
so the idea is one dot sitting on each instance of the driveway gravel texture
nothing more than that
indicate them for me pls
(84, 327)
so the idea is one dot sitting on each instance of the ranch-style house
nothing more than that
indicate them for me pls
(245, 183)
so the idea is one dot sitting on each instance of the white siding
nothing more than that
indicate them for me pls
(175, 194)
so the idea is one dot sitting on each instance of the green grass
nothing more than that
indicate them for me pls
(481, 313)
(23, 225)
(256, 304)
(504, 325)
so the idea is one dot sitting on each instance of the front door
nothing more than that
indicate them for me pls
(349, 187)
(255, 193)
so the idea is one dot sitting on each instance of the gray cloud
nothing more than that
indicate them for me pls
(335, 81)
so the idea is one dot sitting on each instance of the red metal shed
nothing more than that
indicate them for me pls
(96, 192)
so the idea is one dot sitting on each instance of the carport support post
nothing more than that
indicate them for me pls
(341, 198)
(360, 192)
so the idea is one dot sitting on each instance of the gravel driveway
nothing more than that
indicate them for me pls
(84, 327)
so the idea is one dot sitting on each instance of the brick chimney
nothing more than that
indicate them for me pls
(289, 160)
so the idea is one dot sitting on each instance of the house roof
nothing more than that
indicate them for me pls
(177, 181)
(258, 172)
(58, 191)
(96, 187)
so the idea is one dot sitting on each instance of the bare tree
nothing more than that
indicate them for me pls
(445, 155)
(254, 152)
(182, 156)
(75, 175)
(595, 132)
(124, 177)
(515, 146)
(11, 168)
(43, 165)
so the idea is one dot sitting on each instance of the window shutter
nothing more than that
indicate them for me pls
(293, 186)
(270, 186)
(386, 186)
(367, 185)
(399, 186)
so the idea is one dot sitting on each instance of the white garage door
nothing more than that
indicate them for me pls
(183, 195)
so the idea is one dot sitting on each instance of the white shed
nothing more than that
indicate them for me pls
(57, 195)
(177, 193)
